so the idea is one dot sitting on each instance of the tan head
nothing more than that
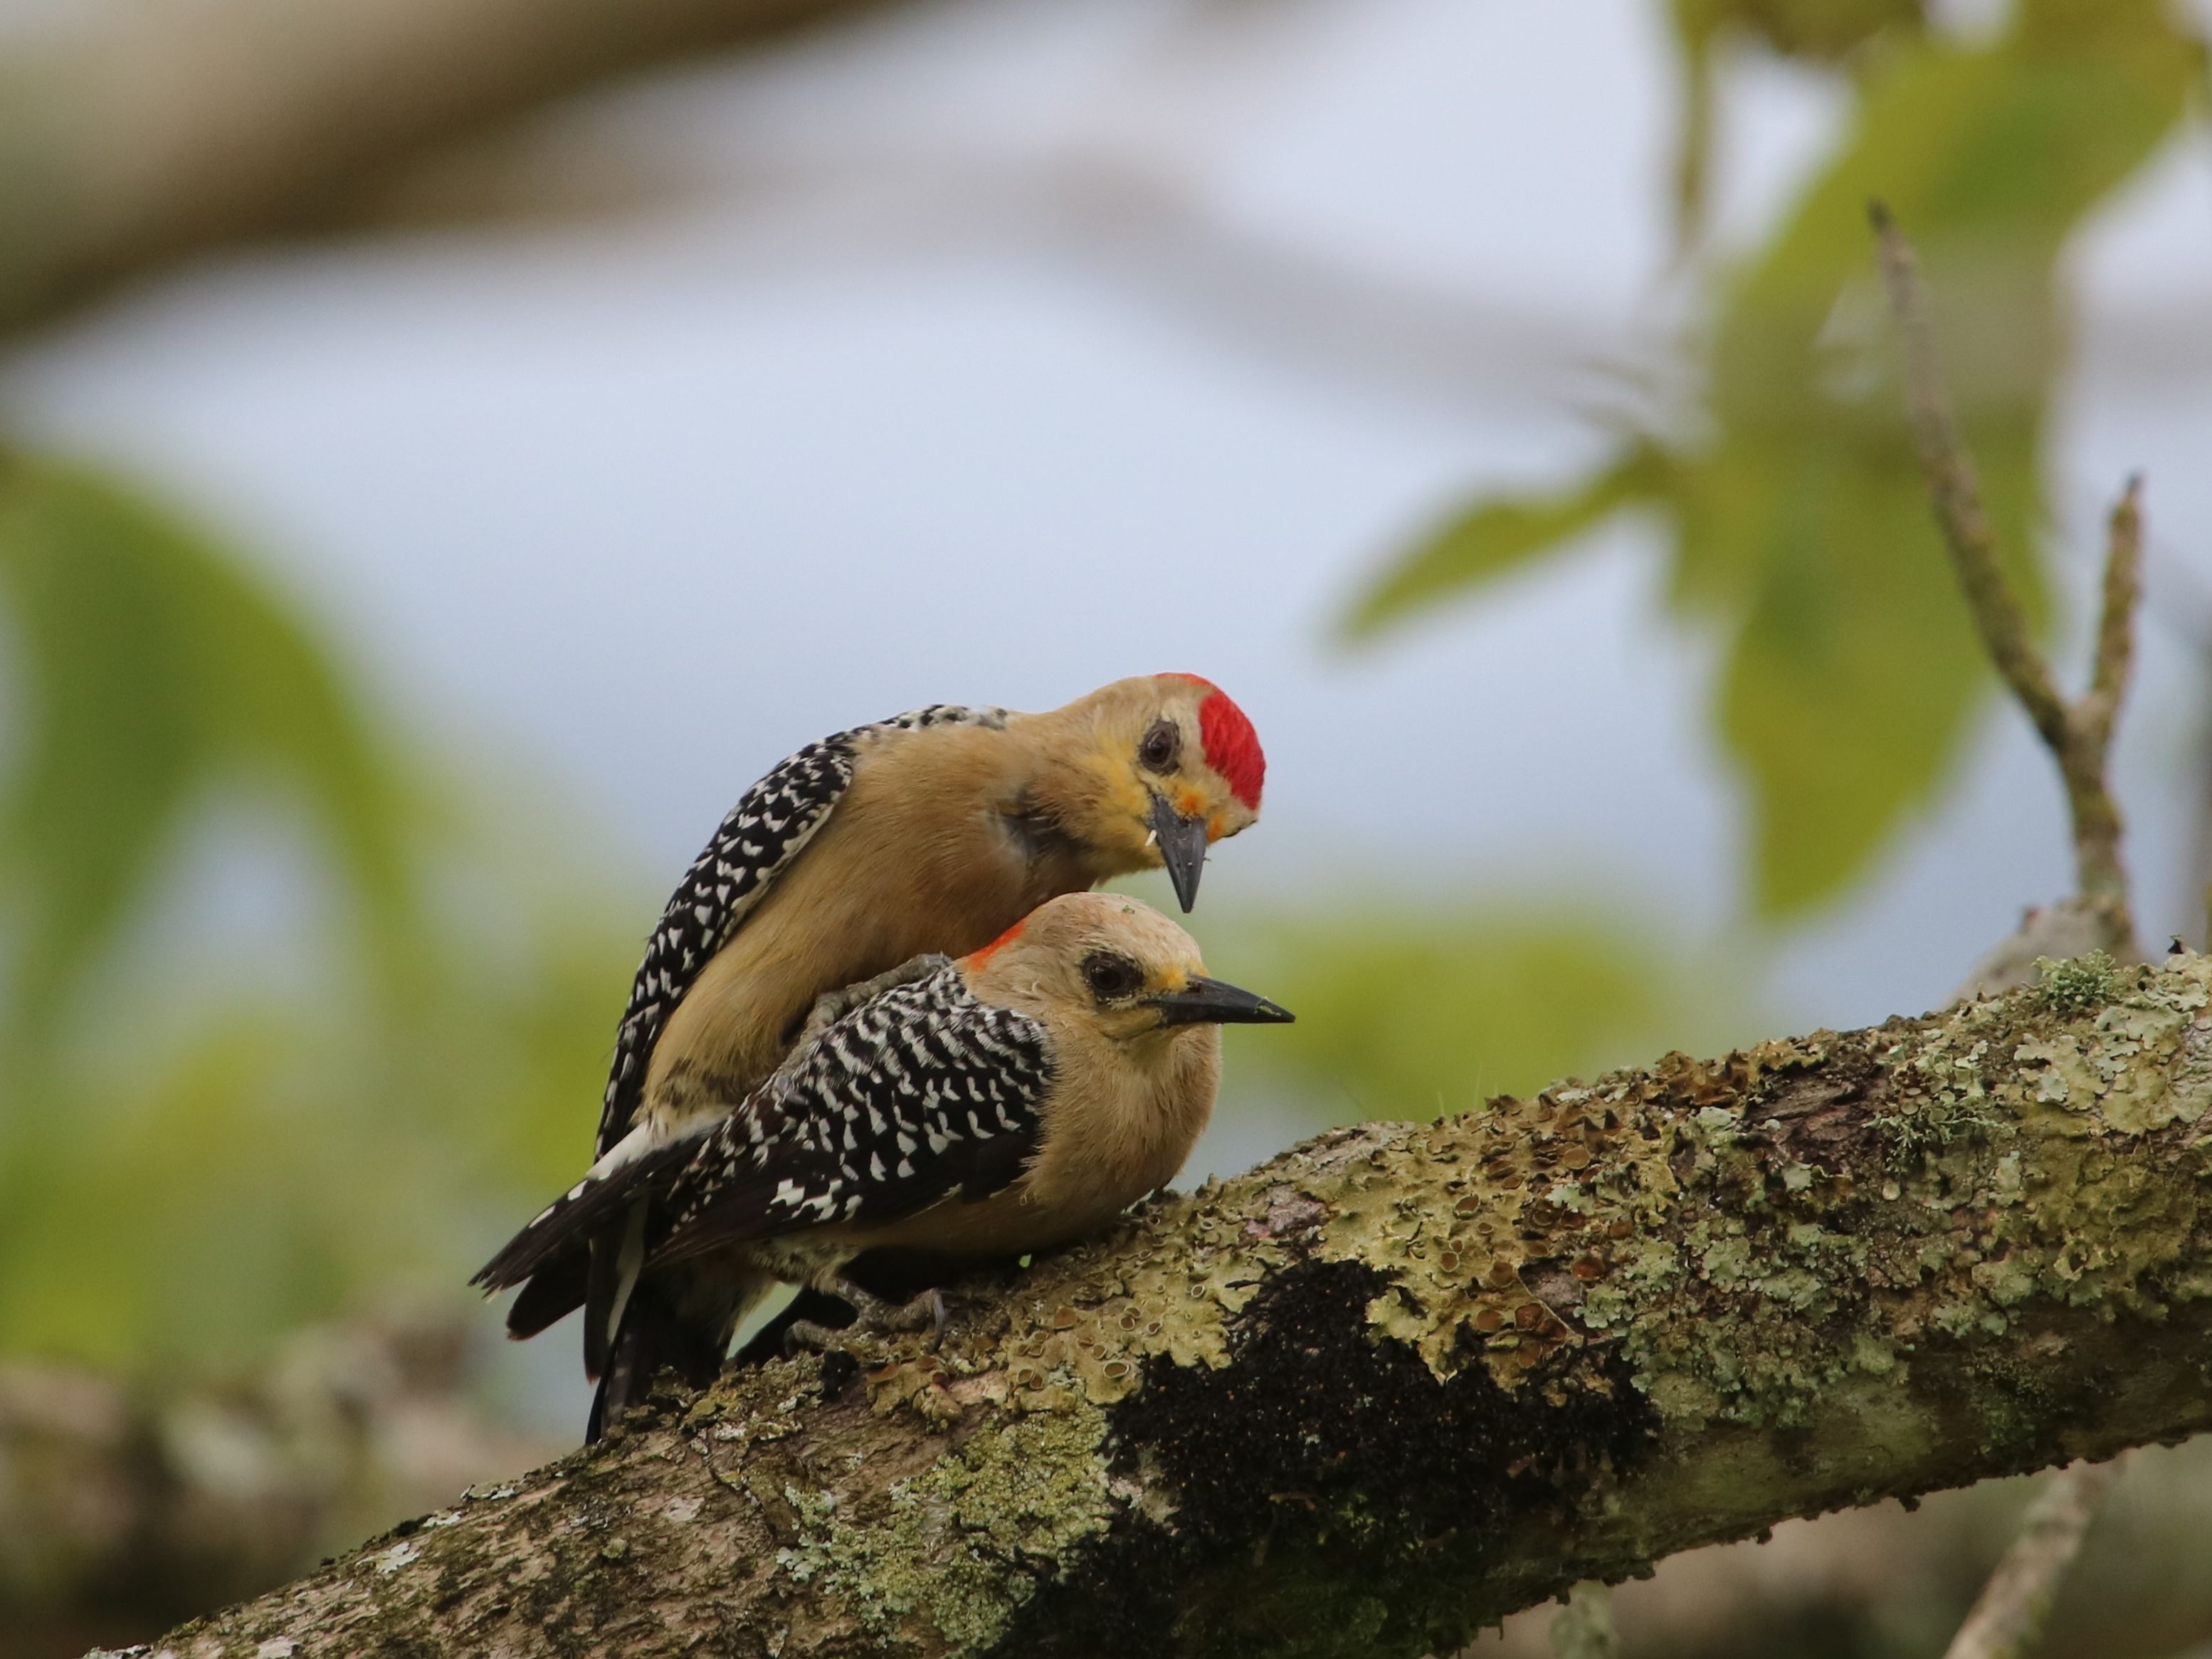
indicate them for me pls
(1155, 769)
(1104, 963)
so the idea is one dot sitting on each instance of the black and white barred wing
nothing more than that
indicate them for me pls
(767, 828)
(920, 1094)
(761, 833)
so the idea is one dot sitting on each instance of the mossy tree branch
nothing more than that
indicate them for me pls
(1411, 1377)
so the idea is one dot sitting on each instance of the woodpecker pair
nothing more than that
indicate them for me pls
(802, 1074)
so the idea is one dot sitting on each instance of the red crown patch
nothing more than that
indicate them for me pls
(1232, 747)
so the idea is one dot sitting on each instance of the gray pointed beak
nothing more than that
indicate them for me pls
(1216, 1002)
(1182, 849)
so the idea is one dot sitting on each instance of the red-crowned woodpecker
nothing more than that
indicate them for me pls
(933, 831)
(1015, 1099)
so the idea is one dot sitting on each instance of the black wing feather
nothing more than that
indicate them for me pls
(761, 833)
(768, 827)
(573, 1216)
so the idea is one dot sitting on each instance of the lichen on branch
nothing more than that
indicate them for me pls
(1408, 1378)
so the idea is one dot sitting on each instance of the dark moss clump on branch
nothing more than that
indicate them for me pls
(1321, 1438)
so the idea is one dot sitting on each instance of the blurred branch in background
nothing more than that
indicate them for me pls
(2008, 1621)
(1884, 1582)
(124, 1507)
(1120, 188)
(1582, 1628)
(147, 134)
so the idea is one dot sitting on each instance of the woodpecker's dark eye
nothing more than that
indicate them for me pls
(1112, 977)
(1161, 744)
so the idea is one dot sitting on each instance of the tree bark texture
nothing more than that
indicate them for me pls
(127, 145)
(1410, 1377)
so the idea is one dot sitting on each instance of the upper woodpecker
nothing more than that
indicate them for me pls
(932, 831)
(1008, 1101)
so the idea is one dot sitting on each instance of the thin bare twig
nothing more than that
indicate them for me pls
(2097, 826)
(2108, 681)
(1958, 496)
(2078, 734)
(2007, 1619)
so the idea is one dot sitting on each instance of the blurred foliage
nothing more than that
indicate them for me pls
(1829, 31)
(1795, 512)
(205, 1141)
(1410, 1014)
(152, 667)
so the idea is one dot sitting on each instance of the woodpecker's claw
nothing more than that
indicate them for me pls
(833, 1005)
(1182, 848)
(874, 1317)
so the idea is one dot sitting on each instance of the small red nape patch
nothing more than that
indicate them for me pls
(975, 961)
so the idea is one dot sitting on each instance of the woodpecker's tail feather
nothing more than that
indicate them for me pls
(616, 1253)
(574, 1214)
(550, 1294)
(678, 1324)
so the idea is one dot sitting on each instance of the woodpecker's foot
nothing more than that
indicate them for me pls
(874, 1317)
(833, 1005)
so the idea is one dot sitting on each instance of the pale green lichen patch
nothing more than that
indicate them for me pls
(1499, 1229)
(2144, 1062)
(2075, 1097)
(966, 1543)
(2075, 987)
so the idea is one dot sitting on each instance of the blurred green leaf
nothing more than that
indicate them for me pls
(1797, 509)
(1820, 31)
(151, 672)
(1827, 32)
(203, 1212)
(1408, 1014)
(221, 1149)
(1844, 692)
(1500, 535)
